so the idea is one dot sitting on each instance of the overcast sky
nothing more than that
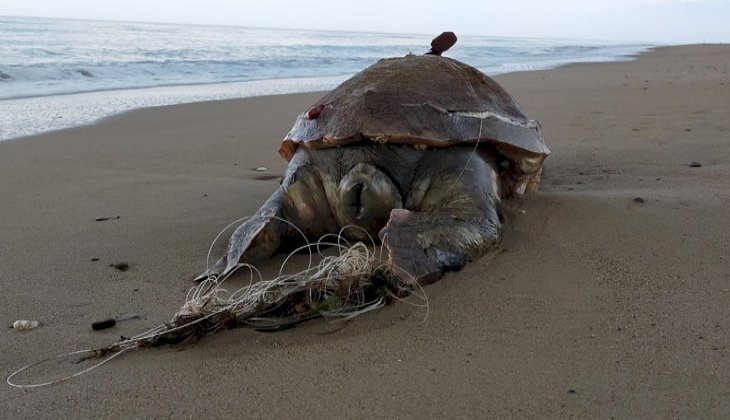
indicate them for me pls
(672, 21)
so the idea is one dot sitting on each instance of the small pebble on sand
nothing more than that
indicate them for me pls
(24, 325)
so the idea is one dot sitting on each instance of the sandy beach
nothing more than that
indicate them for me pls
(609, 297)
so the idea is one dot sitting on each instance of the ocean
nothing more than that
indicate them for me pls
(62, 73)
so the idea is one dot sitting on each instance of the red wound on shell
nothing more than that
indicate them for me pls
(314, 112)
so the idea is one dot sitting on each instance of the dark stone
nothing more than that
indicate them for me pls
(121, 266)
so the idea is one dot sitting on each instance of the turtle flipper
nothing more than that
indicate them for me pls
(423, 246)
(456, 219)
(256, 239)
(408, 259)
(296, 212)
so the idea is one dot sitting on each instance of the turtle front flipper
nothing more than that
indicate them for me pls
(423, 246)
(453, 219)
(298, 207)
(257, 238)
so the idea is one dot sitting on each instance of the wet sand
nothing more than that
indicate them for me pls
(609, 297)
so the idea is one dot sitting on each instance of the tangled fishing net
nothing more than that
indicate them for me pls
(342, 286)
(339, 287)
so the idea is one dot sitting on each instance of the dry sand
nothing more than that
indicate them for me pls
(609, 299)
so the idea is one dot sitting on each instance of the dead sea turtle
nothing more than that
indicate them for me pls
(416, 150)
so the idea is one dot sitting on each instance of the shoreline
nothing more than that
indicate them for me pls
(93, 107)
(607, 298)
(81, 102)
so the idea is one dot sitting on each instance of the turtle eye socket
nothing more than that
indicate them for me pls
(366, 197)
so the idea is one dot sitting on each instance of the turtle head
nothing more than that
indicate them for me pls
(366, 195)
